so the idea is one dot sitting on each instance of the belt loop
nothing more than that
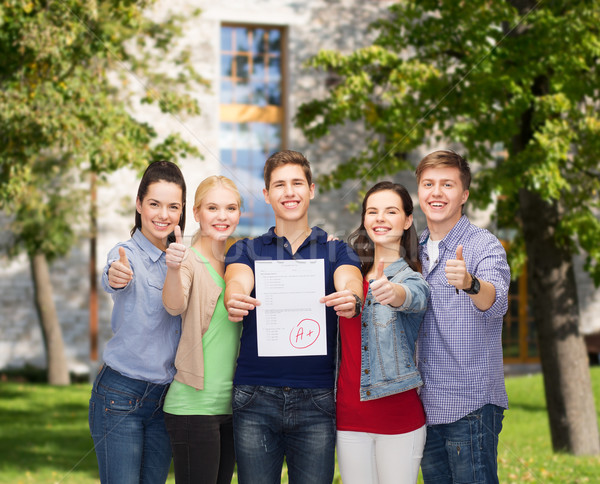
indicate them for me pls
(99, 376)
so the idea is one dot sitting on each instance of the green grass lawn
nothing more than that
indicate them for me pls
(44, 437)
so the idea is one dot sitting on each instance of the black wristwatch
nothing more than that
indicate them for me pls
(357, 305)
(475, 285)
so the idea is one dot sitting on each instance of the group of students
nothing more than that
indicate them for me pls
(412, 375)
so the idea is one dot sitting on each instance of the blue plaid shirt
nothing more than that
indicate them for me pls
(460, 346)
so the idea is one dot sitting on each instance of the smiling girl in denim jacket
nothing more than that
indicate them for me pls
(380, 419)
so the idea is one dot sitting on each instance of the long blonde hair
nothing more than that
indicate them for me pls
(207, 185)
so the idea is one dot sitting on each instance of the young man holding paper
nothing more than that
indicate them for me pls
(283, 406)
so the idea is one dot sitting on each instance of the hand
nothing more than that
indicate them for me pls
(343, 303)
(119, 272)
(176, 251)
(381, 288)
(456, 271)
(239, 305)
(331, 238)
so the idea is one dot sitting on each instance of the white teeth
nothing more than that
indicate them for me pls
(161, 225)
(437, 205)
(380, 229)
(290, 204)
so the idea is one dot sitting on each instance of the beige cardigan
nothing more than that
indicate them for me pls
(200, 299)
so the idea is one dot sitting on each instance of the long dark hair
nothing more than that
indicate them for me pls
(156, 172)
(364, 246)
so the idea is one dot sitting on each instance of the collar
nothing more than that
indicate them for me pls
(453, 237)
(395, 267)
(317, 234)
(148, 247)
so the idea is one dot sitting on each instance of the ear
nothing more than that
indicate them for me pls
(465, 196)
(312, 191)
(197, 214)
(408, 223)
(138, 205)
(266, 195)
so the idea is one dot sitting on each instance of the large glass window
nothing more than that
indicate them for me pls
(251, 114)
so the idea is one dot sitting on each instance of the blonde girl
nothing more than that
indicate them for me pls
(198, 404)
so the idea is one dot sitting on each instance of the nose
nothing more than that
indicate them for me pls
(164, 212)
(288, 189)
(436, 189)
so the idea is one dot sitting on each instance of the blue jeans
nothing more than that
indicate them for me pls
(465, 451)
(270, 423)
(128, 427)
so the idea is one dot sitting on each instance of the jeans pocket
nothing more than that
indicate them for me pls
(498, 419)
(242, 396)
(116, 403)
(324, 401)
(91, 410)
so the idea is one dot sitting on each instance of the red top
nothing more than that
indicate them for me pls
(395, 414)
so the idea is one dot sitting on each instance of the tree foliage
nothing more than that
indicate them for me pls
(479, 73)
(517, 76)
(69, 71)
(71, 75)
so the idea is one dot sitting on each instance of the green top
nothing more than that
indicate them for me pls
(220, 344)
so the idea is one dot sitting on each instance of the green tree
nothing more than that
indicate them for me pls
(518, 74)
(71, 73)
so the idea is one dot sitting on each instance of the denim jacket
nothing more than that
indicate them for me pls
(388, 336)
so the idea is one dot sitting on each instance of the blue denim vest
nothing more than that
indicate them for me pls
(388, 336)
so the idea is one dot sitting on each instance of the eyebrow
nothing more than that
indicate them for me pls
(386, 208)
(158, 201)
(442, 180)
(292, 180)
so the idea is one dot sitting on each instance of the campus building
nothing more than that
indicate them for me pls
(253, 54)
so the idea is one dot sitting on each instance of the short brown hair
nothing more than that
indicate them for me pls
(286, 157)
(446, 159)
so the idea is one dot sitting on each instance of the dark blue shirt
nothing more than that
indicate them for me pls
(290, 371)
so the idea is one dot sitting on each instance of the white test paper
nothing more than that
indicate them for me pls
(290, 320)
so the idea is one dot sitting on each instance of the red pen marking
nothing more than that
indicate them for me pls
(305, 333)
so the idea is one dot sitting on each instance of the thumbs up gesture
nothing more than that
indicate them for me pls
(176, 251)
(381, 288)
(456, 271)
(119, 272)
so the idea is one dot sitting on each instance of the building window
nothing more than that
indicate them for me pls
(251, 114)
(519, 334)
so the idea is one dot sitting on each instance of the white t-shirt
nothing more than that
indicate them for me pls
(433, 250)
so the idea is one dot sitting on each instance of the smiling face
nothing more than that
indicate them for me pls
(385, 220)
(441, 197)
(218, 213)
(160, 211)
(289, 193)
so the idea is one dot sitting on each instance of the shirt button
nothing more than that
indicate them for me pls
(365, 347)
(286, 389)
(368, 393)
(364, 325)
(366, 372)
(286, 245)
